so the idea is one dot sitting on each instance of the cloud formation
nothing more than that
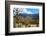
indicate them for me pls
(25, 11)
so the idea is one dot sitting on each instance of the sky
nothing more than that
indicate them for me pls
(28, 11)
(33, 11)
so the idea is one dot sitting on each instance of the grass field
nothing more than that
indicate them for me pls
(25, 22)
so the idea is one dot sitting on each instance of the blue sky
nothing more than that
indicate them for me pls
(33, 11)
(28, 11)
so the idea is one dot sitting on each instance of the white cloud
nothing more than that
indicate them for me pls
(25, 11)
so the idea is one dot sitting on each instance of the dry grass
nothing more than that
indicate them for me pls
(19, 22)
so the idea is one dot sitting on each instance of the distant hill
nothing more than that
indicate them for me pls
(24, 15)
(33, 16)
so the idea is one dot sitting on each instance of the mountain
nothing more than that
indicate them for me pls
(30, 15)
(24, 15)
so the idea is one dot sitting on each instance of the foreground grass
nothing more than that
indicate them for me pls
(25, 22)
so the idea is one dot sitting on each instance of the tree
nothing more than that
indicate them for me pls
(16, 12)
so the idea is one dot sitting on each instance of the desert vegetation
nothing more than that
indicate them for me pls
(25, 21)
